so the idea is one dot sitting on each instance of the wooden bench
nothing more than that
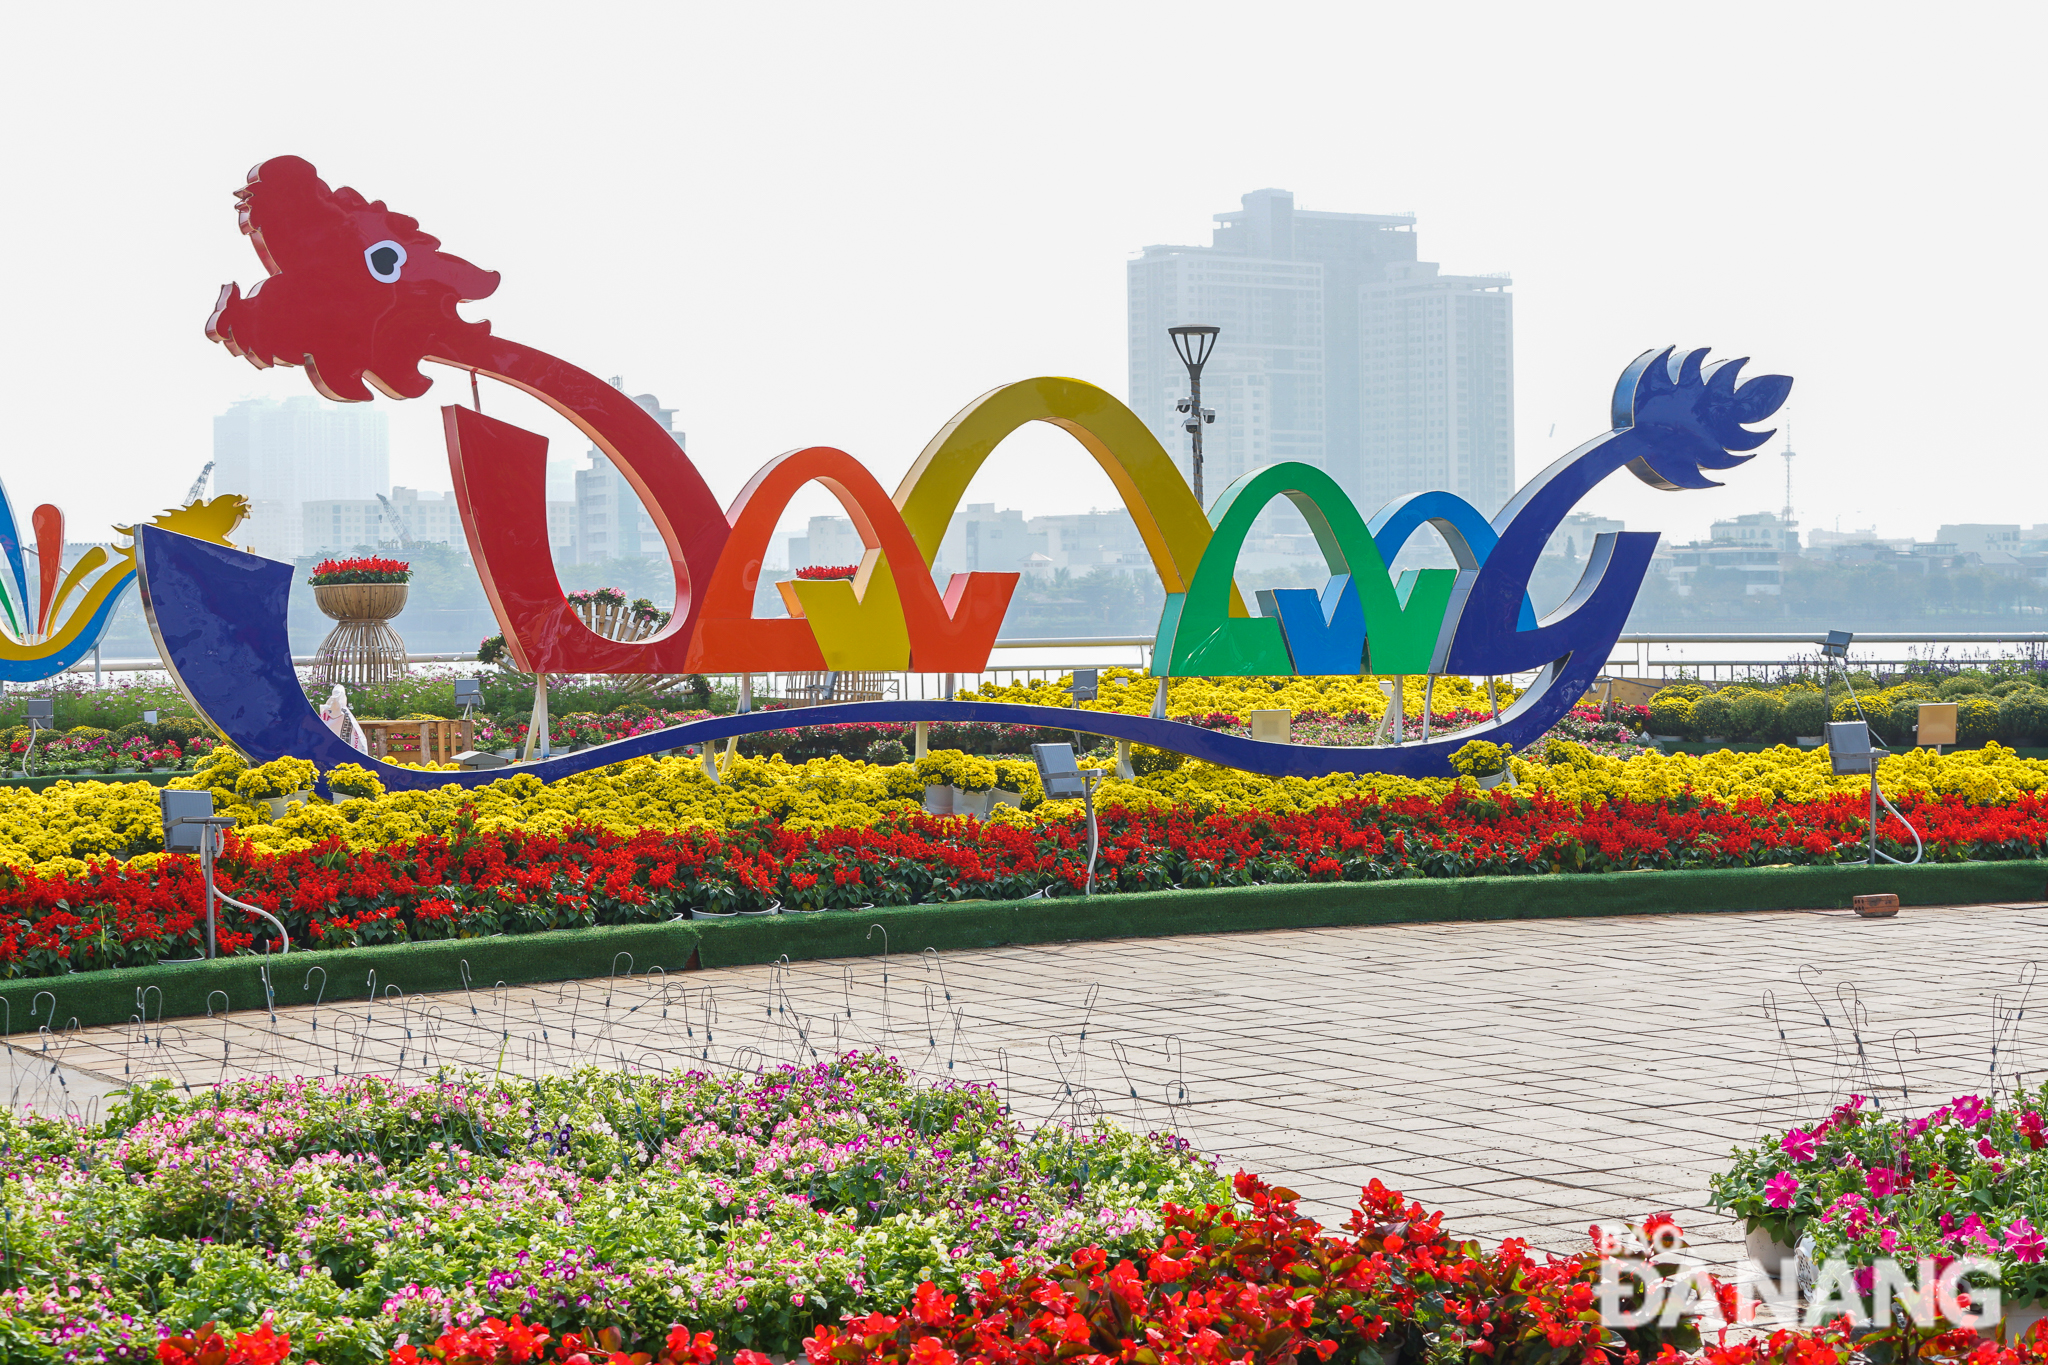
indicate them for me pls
(431, 741)
(809, 689)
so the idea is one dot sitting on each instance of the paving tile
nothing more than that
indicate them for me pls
(1528, 1077)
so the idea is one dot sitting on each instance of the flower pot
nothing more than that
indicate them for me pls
(976, 804)
(279, 805)
(360, 601)
(1812, 741)
(2019, 1319)
(361, 648)
(1007, 798)
(938, 800)
(1772, 1254)
(1489, 781)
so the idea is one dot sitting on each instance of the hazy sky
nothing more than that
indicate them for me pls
(837, 224)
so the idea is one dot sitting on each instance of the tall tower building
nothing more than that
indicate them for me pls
(1338, 348)
(282, 454)
(611, 523)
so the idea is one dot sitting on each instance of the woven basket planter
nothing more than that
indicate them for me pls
(361, 648)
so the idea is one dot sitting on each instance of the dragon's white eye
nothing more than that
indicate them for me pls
(385, 260)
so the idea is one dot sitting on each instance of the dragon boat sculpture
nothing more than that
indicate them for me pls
(360, 297)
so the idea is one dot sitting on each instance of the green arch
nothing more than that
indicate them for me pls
(1198, 637)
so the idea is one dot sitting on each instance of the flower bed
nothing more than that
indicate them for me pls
(1967, 1179)
(515, 858)
(836, 1214)
(350, 1212)
(103, 753)
(84, 883)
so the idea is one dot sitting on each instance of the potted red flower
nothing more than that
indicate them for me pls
(362, 593)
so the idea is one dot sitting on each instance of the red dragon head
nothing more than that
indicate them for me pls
(355, 291)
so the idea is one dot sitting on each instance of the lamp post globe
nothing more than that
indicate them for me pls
(1193, 344)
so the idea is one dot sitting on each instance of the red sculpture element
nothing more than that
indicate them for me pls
(501, 475)
(49, 526)
(357, 292)
(951, 634)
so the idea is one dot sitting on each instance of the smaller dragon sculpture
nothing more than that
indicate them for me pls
(1674, 417)
(46, 630)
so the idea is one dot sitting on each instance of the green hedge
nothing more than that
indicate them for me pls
(112, 997)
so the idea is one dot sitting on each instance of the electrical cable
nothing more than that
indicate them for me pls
(1918, 847)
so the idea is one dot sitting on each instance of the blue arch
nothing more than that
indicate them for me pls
(1470, 536)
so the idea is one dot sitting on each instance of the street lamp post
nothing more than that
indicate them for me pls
(1194, 345)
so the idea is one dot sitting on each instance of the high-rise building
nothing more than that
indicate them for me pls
(611, 523)
(1436, 387)
(282, 454)
(1338, 348)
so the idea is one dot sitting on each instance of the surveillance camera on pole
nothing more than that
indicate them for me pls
(1194, 344)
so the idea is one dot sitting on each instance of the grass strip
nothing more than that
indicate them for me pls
(985, 924)
(112, 997)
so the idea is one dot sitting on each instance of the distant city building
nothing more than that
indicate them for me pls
(1994, 543)
(1820, 538)
(340, 524)
(1082, 542)
(1574, 537)
(611, 522)
(1338, 348)
(980, 539)
(828, 542)
(1757, 530)
(283, 454)
(1761, 570)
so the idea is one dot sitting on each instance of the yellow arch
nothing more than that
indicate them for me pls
(1160, 501)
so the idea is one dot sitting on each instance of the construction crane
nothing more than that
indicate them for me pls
(391, 515)
(199, 485)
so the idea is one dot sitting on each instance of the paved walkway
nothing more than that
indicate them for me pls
(1529, 1077)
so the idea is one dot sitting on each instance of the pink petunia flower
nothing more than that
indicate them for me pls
(1780, 1189)
(1799, 1144)
(1882, 1180)
(2023, 1242)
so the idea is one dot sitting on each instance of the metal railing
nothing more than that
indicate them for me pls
(1632, 657)
(1960, 649)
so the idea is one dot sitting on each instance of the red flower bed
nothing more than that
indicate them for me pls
(828, 571)
(470, 883)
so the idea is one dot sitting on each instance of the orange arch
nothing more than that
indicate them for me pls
(878, 621)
